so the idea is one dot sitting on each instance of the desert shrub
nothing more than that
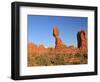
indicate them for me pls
(77, 55)
(49, 59)
(31, 61)
(58, 59)
(43, 60)
(85, 55)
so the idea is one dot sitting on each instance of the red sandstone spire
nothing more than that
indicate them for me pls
(82, 39)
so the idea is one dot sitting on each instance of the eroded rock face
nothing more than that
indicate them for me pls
(56, 32)
(32, 48)
(82, 40)
(58, 41)
(60, 47)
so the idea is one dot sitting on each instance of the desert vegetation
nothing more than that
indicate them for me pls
(61, 54)
(56, 59)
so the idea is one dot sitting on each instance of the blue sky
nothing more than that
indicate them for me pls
(40, 29)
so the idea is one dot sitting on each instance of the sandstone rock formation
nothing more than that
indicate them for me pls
(58, 41)
(36, 49)
(60, 47)
(82, 40)
(39, 55)
(32, 48)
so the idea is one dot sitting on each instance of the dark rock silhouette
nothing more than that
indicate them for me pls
(82, 40)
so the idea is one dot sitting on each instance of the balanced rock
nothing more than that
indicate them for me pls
(58, 41)
(56, 32)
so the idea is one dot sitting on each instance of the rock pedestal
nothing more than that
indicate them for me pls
(58, 41)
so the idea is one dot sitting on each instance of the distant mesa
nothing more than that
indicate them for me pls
(60, 47)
